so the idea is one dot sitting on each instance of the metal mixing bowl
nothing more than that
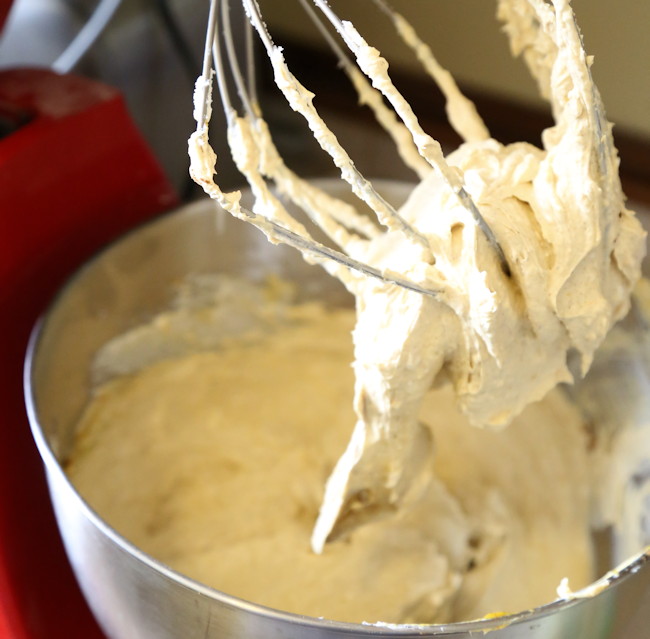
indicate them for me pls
(132, 594)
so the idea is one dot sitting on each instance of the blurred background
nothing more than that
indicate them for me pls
(151, 51)
(467, 40)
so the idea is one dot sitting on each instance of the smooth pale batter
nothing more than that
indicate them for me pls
(214, 463)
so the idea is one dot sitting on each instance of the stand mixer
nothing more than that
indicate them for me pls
(63, 137)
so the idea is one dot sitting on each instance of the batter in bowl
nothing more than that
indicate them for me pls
(214, 462)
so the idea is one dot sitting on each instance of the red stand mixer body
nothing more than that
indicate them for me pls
(74, 173)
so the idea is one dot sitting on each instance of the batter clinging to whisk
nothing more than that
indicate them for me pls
(503, 263)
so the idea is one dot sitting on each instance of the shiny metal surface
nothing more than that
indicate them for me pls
(133, 595)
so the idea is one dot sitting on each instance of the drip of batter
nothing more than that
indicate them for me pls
(501, 340)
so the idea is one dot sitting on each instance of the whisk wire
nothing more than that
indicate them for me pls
(250, 65)
(295, 94)
(243, 87)
(205, 85)
(369, 96)
(312, 249)
(461, 111)
(284, 228)
(329, 221)
(376, 69)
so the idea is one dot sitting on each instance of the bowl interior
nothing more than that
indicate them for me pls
(135, 278)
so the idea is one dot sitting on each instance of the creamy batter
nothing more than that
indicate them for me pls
(179, 460)
(529, 254)
(526, 256)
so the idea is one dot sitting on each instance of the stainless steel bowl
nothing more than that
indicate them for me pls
(133, 595)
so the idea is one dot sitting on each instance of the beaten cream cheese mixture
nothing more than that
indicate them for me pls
(214, 463)
(458, 520)
(498, 328)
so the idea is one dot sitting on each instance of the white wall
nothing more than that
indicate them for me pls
(467, 40)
